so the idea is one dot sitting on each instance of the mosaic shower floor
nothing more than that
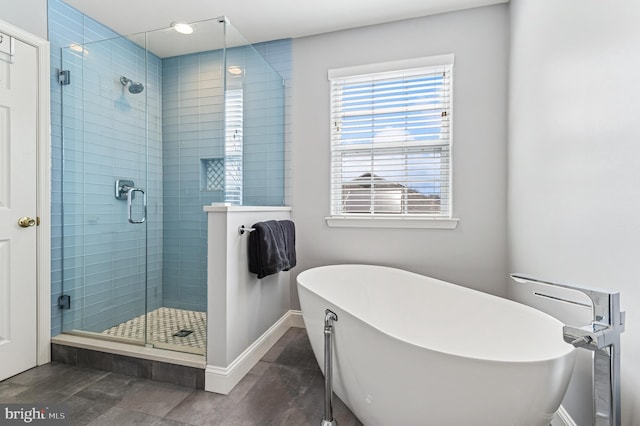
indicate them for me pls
(167, 328)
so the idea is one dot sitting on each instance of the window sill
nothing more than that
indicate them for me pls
(391, 222)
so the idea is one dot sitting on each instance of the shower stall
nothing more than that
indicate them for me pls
(153, 127)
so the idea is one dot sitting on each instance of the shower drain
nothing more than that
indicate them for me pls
(183, 333)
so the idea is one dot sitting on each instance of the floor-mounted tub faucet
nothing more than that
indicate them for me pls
(327, 419)
(602, 337)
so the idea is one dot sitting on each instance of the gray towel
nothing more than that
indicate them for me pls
(271, 247)
(289, 232)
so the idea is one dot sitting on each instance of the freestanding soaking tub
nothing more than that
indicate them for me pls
(412, 350)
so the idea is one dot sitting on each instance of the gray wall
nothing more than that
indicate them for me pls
(30, 15)
(574, 165)
(474, 254)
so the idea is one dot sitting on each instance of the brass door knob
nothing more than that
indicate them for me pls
(26, 222)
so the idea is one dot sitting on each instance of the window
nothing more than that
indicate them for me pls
(233, 146)
(391, 140)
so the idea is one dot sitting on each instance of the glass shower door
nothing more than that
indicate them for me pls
(104, 128)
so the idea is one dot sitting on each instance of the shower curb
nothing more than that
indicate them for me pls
(100, 345)
(137, 361)
(181, 375)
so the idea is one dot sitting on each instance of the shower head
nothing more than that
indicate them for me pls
(134, 88)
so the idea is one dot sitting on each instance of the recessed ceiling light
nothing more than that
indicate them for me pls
(182, 28)
(78, 48)
(235, 70)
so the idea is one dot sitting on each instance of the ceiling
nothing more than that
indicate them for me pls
(264, 20)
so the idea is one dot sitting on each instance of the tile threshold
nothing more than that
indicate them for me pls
(152, 354)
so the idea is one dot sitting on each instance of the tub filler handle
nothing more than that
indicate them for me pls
(329, 318)
(602, 337)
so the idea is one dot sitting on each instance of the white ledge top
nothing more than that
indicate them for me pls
(226, 207)
(391, 222)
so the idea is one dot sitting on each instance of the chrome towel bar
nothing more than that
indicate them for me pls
(242, 229)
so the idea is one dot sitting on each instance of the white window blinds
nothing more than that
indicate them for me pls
(233, 117)
(390, 139)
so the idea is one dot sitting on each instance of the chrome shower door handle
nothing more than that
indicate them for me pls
(130, 192)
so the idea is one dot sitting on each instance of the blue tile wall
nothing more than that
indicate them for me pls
(193, 119)
(192, 128)
(96, 253)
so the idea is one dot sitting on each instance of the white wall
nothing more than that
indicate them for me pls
(474, 254)
(574, 164)
(30, 15)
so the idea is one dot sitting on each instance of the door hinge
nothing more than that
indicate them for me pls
(64, 77)
(64, 301)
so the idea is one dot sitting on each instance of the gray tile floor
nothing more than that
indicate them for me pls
(284, 388)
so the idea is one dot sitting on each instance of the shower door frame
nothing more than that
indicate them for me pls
(43, 193)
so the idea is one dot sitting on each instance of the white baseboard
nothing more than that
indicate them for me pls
(562, 418)
(223, 379)
(295, 319)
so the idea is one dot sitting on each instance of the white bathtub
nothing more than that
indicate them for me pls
(412, 350)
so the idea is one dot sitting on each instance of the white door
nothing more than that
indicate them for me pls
(18, 125)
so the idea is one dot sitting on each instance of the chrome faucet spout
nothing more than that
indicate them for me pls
(604, 302)
(602, 337)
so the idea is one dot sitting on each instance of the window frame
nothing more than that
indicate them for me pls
(393, 220)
